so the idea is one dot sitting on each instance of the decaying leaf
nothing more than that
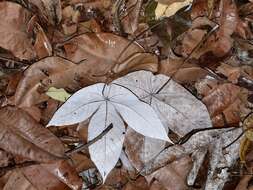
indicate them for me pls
(173, 176)
(22, 135)
(13, 25)
(98, 60)
(227, 99)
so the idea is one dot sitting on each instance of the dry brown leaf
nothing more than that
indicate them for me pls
(221, 97)
(244, 183)
(81, 162)
(18, 181)
(173, 176)
(13, 26)
(27, 92)
(226, 101)
(22, 135)
(101, 47)
(182, 72)
(228, 21)
(98, 54)
(42, 45)
(139, 184)
(199, 9)
(42, 179)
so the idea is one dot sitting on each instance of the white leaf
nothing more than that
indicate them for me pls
(105, 104)
(177, 108)
(79, 106)
(137, 114)
(142, 118)
(106, 151)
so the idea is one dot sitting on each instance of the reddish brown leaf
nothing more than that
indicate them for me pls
(22, 135)
(173, 176)
(226, 100)
(100, 62)
(13, 33)
(182, 72)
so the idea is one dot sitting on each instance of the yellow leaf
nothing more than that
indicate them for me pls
(58, 94)
(248, 127)
(244, 145)
(169, 10)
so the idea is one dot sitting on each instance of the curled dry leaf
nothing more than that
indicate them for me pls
(13, 26)
(22, 135)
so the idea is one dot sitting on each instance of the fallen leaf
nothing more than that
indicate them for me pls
(164, 10)
(178, 110)
(58, 94)
(182, 72)
(99, 59)
(42, 44)
(18, 181)
(172, 102)
(13, 27)
(228, 21)
(228, 99)
(174, 175)
(22, 135)
(109, 104)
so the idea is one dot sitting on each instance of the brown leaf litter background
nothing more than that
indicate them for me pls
(72, 44)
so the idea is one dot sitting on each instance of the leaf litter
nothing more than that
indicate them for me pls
(126, 94)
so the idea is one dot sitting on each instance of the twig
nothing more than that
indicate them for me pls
(85, 146)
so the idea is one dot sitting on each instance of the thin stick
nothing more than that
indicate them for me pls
(85, 146)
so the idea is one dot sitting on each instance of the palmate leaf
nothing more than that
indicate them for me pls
(107, 104)
(177, 108)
